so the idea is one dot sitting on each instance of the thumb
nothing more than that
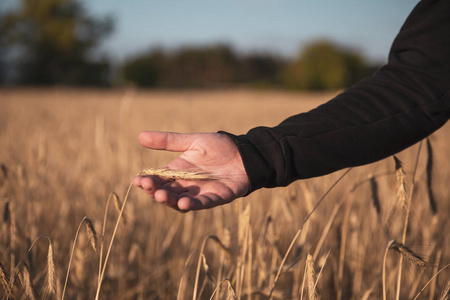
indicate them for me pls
(170, 141)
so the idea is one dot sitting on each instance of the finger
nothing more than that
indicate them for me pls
(201, 202)
(165, 197)
(137, 181)
(148, 183)
(187, 203)
(170, 141)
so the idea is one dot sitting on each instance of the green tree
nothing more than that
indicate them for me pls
(207, 66)
(261, 70)
(144, 70)
(324, 66)
(55, 40)
(202, 66)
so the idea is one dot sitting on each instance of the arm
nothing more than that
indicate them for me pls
(402, 103)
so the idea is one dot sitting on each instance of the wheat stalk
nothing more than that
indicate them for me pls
(300, 230)
(208, 270)
(118, 205)
(445, 292)
(178, 174)
(405, 227)
(103, 268)
(10, 219)
(201, 259)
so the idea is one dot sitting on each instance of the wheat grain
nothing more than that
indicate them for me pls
(226, 240)
(222, 246)
(202, 261)
(231, 295)
(7, 213)
(407, 253)
(5, 280)
(5, 170)
(429, 172)
(445, 295)
(91, 233)
(177, 174)
(375, 195)
(51, 272)
(118, 205)
(311, 278)
(26, 282)
(401, 183)
(208, 271)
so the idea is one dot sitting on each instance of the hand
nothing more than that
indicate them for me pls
(211, 153)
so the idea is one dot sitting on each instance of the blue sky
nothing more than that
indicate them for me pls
(281, 26)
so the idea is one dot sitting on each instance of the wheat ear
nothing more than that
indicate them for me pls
(92, 238)
(200, 260)
(51, 269)
(405, 227)
(401, 183)
(26, 282)
(231, 293)
(375, 194)
(4, 280)
(92, 234)
(430, 162)
(445, 295)
(178, 174)
(445, 292)
(300, 230)
(311, 278)
(103, 268)
(118, 206)
(408, 254)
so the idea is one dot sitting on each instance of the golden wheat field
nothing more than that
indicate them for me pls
(63, 152)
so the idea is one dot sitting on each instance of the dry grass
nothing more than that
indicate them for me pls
(64, 152)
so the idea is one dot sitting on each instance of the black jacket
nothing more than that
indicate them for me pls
(403, 102)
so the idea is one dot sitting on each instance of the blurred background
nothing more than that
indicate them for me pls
(305, 45)
(79, 79)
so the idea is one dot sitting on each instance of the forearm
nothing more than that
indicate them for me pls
(402, 103)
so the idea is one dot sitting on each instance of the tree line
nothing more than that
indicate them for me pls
(55, 42)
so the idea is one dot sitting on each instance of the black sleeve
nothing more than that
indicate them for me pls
(403, 102)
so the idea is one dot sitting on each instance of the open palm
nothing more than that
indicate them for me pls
(212, 153)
